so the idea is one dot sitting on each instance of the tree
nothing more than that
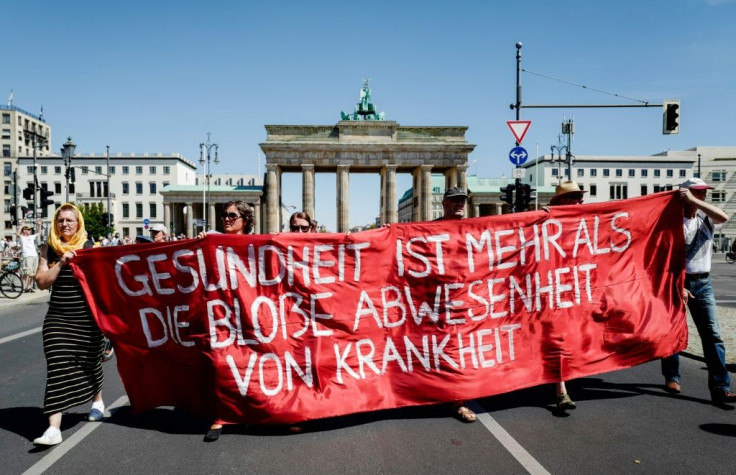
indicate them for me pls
(93, 219)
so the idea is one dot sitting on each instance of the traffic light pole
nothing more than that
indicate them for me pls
(513, 206)
(109, 214)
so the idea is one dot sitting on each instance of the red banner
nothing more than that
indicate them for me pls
(289, 327)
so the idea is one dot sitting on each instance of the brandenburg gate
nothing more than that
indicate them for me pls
(363, 143)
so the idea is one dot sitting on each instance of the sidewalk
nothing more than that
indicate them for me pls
(38, 295)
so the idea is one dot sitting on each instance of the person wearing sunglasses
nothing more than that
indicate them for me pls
(300, 222)
(237, 218)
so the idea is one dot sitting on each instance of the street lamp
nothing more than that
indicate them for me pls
(67, 152)
(204, 150)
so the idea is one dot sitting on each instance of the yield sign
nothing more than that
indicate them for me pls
(519, 128)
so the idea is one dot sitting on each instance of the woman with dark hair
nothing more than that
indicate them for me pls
(72, 342)
(300, 222)
(237, 218)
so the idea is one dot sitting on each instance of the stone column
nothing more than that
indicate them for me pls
(343, 198)
(273, 190)
(167, 217)
(425, 197)
(382, 209)
(476, 209)
(416, 188)
(451, 178)
(211, 218)
(257, 217)
(308, 189)
(462, 177)
(499, 208)
(390, 199)
(190, 219)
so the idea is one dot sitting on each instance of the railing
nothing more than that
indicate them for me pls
(87, 196)
(18, 109)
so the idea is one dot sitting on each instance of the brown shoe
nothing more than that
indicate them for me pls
(673, 387)
(720, 396)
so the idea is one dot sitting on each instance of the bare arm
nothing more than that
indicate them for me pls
(46, 276)
(713, 212)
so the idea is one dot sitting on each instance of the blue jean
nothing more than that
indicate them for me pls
(702, 307)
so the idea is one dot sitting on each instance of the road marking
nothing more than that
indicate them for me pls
(20, 335)
(509, 443)
(68, 444)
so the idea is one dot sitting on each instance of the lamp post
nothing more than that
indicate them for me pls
(698, 165)
(67, 152)
(205, 149)
(109, 214)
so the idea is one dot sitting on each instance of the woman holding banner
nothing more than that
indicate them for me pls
(72, 342)
(237, 218)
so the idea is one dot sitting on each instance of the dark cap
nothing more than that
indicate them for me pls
(454, 192)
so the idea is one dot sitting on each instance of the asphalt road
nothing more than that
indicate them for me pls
(625, 423)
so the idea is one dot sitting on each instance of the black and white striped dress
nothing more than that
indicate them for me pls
(72, 343)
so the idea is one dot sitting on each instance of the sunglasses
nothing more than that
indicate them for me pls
(231, 216)
(302, 229)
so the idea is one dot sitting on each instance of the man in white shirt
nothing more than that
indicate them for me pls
(29, 254)
(699, 220)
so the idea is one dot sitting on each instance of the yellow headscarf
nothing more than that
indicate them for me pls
(77, 241)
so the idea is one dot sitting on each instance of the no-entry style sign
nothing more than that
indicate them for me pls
(519, 128)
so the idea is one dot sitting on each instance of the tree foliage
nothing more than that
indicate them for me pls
(93, 223)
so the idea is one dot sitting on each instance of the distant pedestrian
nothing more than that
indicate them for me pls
(699, 220)
(29, 254)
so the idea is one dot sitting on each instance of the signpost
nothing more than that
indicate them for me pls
(146, 222)
(519, 128)
(518, 155)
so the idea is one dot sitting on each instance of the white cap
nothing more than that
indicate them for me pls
(160, 227)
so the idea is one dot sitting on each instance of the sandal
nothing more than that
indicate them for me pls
(464, 414)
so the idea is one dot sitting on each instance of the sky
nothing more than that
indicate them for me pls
(157, 76)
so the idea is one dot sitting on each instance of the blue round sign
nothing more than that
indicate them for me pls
(146, 221)
(518, 155)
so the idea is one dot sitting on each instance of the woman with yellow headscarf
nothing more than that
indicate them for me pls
(72, 342)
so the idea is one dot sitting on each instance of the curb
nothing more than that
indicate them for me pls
(24, 298)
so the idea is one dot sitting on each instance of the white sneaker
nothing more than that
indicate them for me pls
(52, 436)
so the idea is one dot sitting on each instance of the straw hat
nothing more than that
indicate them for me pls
(565, 189)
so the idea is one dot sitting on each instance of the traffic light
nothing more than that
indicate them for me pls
(28, 192)
(45, 201)
(526, 197)
(108, 219)
(671, 117)
(508, 196)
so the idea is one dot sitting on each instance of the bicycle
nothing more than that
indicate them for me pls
(730, 257)
(11, 285)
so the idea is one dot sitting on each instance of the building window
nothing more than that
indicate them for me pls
(98, 170)
(126, 231)
(719, 175)
(165, 184)
(126, 210)
(152, 187)
(44, 170)
(581, 172)
(619, 192)
(670, 173)
(126, 188)
(126, 170)
(139, 170)
(85, 169)
(7, 169)
(57, 170)
(593, 190)
(6, 133)
(593, 172)
(30, 170)
(152, 209)
(6, 118)
(632, 172)
(152, 170)
(138, 188)
(644, 172)
(682, 173)
(554, 172)
(111, 170)
(619, 172)
(606, 172)
(57, 187)
(657, 173)
(6, 150)
(718, 196)
(139, 210)
(643, 190)
(167, 170)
